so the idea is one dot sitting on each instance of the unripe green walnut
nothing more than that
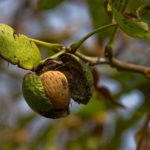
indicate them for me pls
(48, 94)
(56, 81)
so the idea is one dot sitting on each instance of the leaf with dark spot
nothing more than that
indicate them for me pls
(133, 28)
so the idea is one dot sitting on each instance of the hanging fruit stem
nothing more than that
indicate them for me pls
(58, 54)
(54, 56)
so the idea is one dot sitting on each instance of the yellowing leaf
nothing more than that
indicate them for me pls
(18, 49)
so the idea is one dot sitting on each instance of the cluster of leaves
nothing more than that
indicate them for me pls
(88, 127)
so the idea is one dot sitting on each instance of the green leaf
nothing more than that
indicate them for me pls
(143, 12)
(134, 4)
(18, 49)
(131, 27)
(117, 4)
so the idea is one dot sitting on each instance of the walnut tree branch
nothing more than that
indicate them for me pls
(115, 63)
(123, 66)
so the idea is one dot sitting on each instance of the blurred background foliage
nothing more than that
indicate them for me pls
(100, 125)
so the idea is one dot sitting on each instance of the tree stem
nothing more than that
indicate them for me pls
(77, 44)
(52, 46)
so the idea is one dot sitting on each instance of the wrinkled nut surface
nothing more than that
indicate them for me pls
(56, 88)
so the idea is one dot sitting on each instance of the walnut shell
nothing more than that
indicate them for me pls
(56, 88)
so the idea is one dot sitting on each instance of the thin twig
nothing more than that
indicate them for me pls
(92, 60)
